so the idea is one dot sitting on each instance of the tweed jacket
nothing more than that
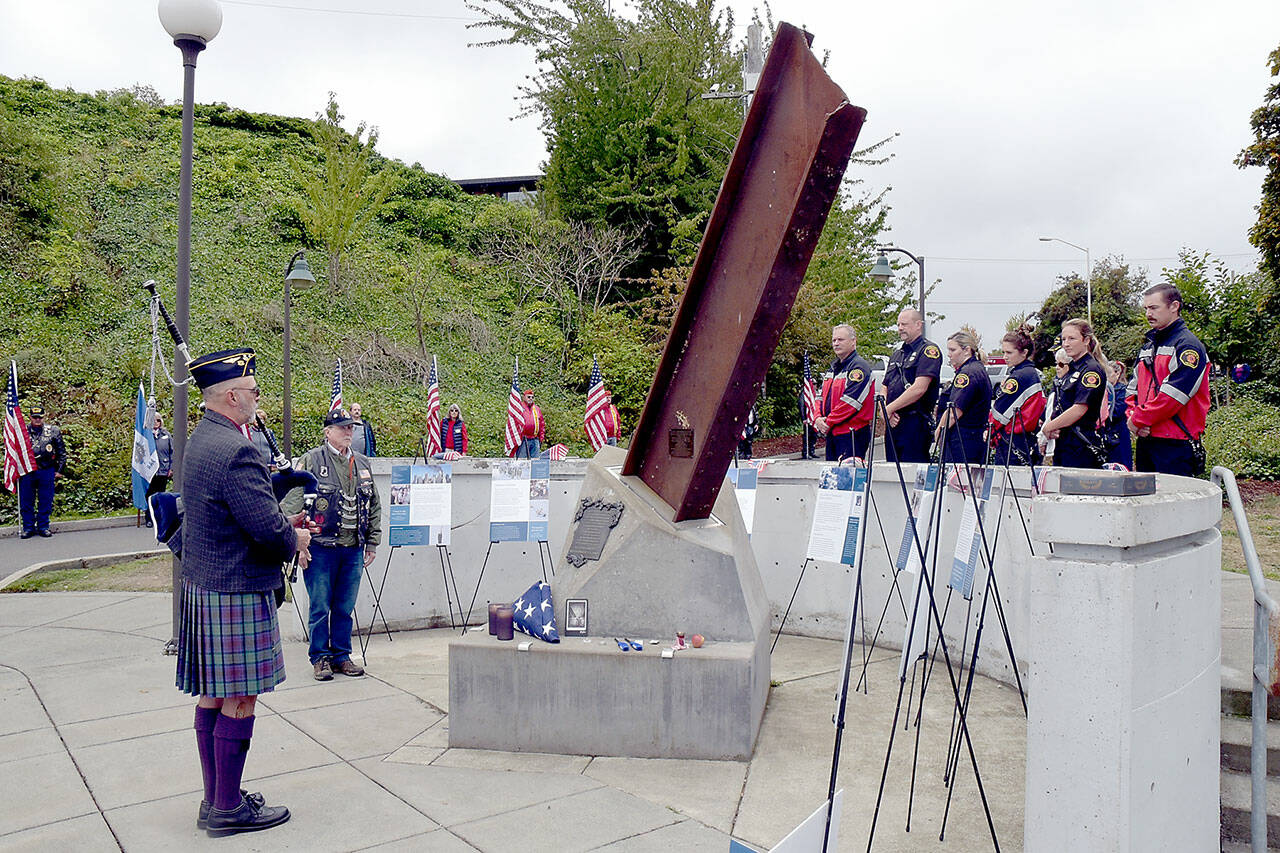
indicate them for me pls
(234, 537)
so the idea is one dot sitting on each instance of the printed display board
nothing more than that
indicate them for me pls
(837, 513)
(421, 504)
(520, 500)
(964, 562)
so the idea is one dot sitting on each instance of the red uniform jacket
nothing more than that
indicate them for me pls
(534, 424)
(1172, 378)
(1020, 392)
(847, 397)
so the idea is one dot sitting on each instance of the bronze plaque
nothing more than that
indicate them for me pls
(680, 443)
(593, 523)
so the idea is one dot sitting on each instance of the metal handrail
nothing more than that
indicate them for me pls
(1264, 609)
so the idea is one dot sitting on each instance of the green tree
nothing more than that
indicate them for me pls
(1265, 152)
(632, 143)
(1117, 321)
(1230, 312)
(345, 193)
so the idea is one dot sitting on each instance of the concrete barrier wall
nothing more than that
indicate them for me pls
(414, 596)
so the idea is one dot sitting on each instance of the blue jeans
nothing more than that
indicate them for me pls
(35, 494)
(333, 582)
(529, 449)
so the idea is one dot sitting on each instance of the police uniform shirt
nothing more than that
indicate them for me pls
(1085, 383)
(910, 361)
(46, 442)
(971, 393)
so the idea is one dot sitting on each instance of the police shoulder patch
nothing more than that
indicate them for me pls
(1091, 379)
(857, 374)
(962, 380)
(1009, 386)
(932, 351)
(1189, 357)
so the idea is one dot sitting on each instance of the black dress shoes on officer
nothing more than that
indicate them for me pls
(26, 534)
(202, 816)
(45, 532)
(248, 817)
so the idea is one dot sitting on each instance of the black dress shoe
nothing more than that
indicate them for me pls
(202, 816)
(26, 534)
(45, 532)
(248, 817)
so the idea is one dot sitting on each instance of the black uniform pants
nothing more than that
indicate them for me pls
(1167, 456)
(911, 438)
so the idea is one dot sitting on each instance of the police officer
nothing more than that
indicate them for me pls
(1077, 402)
(846, 400)
(969, 408)
(1169, 398)
(911, 385)
(1019, 403)
(349, 516)
(35, 489)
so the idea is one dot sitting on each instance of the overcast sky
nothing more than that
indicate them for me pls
(1109, 124)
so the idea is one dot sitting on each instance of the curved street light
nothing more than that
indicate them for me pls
(882, 272)
(191, 24)
(297, 275)
(1088, 271)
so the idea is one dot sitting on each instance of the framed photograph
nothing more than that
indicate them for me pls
(575, 617)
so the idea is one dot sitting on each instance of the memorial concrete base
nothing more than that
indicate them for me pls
(654, 578)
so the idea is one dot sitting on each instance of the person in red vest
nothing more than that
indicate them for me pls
(535, 429)
(612, 422)
(846, 400)
(1169, 396)
(453, 432)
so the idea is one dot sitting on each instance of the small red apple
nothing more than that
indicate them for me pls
(697, 640)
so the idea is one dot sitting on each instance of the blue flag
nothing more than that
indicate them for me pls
(536, 614)
(145, 461)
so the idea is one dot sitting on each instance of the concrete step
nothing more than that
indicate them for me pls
(1235, 798)
(1237, 735)
(1238, 702)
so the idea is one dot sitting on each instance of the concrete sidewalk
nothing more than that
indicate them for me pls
(97, 753)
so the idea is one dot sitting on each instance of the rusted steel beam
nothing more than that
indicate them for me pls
(785, 172)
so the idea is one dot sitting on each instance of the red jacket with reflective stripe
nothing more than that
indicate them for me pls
(847, 397)
(1020, 392)
(1171, 378)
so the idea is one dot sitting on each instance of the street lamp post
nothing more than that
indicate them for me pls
(298, 274)
(883, 272)
(1088, 271)
(192, 24)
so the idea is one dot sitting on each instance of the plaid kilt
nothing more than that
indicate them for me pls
(228, 643)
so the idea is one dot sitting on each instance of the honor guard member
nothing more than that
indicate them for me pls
(911, 385)
(846, 400)
(1019, 403)
(1077, 403)
(1169, 397)
(235, 540)
(611, 419)
(965, 419)
(35, 489)
(534, 433)
(348, 514)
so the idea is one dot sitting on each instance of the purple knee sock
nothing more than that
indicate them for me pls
(205, 720)
(230, 748)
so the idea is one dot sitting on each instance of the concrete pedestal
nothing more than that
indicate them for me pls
(1123, 725)
(654, 578)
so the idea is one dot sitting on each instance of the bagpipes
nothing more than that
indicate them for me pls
(166, 507)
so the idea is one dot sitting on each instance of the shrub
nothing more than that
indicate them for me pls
(1245, 437)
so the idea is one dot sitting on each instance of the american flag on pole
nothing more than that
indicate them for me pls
(597, 408)
(433, 410)
(515, 414)
(810, 393)
(335, 393)
(19, 457)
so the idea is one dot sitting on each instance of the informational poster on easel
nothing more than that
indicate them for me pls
(964, 562)
(520, 500)
(421, 504)
(922, 504)
(837, 513)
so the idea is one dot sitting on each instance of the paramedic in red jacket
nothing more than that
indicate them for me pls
(1169, 396)
(847, 399)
